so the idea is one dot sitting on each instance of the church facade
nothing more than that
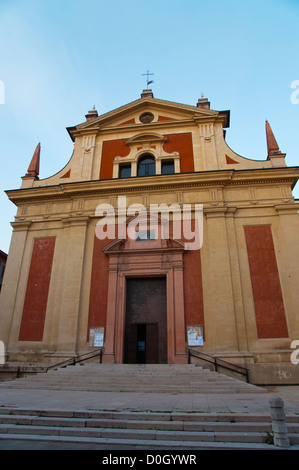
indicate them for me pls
(156, 236)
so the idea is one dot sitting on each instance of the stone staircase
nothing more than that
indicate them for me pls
(144, 430)
(162, 378)
(133, 429)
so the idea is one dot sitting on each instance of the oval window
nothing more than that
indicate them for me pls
(146, 118)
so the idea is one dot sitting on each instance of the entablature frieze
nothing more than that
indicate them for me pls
(182, 182)
(211, 208)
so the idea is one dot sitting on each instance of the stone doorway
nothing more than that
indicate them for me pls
(145, 339)
(140, 261)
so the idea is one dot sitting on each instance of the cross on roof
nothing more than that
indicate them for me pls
(148, 81)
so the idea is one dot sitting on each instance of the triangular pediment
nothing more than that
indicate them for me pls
(131, 115)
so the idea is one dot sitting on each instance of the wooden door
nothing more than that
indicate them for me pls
(152, 343)
(146, 305)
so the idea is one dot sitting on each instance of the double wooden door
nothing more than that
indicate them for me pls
(146, 324)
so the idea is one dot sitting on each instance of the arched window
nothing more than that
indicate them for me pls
(146, 165)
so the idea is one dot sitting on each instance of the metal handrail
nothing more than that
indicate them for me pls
(71, 361)
(75, 360)
(216, 362)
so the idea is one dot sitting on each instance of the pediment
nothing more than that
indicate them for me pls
(143, 137)
(131, 115)
(122, 246)
(145, 223)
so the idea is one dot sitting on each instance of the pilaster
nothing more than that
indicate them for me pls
(10, 285)
(220, 329)
(179, 316)
(239, 312)
(87, 157)
(208, 146)
(289, 226)
(74, 238)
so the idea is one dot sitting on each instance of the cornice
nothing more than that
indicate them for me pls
(192, 114)
(138, 127)
(149, 103)
(219, 178)
(21, 225)
(287, 208)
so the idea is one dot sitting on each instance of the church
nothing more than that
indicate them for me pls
(155, 237)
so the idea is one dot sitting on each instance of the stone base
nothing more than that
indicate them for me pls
(274, 374)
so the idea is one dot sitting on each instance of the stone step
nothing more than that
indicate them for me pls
(129, 381)
(153, 379)
(144, 415)
(144, 422)
(133, 424)
(143, 379)
(122, 428)
(133, 444)
(162, 378)
(138, 389)
(140, 434)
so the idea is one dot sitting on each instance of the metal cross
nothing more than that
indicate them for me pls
(147, 74)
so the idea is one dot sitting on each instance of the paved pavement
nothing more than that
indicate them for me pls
(190, 402)
(289, 393)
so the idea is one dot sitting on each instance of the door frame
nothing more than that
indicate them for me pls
(159, 321)
(150, 261)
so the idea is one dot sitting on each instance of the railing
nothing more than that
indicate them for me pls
(217, 363)
(20, 371)
(76, 359)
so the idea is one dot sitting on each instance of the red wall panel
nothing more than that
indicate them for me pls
(99, 286)
(267, 294)
(112, 149)
(181, 143)
(193, 291)
(36, 298)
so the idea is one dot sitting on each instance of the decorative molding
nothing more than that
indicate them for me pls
(21, 225)
(146, 139)
(181, 181)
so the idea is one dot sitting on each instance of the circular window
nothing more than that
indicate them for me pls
(146, 118)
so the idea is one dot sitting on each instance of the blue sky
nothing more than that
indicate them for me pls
(59, 58)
